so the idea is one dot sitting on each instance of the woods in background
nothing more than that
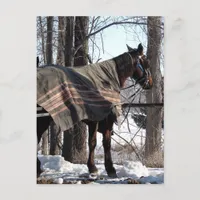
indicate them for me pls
(72, 41)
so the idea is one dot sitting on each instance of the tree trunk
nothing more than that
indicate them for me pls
(45, 143)
(56, 136)
(43, 41)
(49, 57)
(74, 148)
(56, 140)
(61, 42)
(81, 45)
(67, 151)
(154, 115)
(45, 139)
(49, 54)
(69, 41)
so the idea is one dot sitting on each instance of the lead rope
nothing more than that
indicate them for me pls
(120, 121)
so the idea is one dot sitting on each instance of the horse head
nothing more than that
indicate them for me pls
(142, 73)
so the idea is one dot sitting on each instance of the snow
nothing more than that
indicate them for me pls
(58, 181)
(133, 169)
(55, 167)
(126, 165)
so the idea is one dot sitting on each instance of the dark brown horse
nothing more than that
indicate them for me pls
(140, 72)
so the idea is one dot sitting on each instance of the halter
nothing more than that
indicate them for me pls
(146, 73)
(138, 63)
(139, 66)
(123, 69)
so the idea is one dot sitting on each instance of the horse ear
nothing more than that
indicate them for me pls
(140, 49)
(129, 48)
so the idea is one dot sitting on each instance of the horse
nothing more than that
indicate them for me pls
(133, 64)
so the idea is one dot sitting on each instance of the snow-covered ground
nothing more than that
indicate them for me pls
(126, 164)
(60, 170)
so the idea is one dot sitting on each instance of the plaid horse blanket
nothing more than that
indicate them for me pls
(72, 94)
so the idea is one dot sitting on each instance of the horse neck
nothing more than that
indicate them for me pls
(125, 67)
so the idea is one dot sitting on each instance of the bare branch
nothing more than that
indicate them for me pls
(113, 24)
(129, 145)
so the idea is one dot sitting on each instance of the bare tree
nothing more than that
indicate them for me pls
(41, 37)
(55, 134)
(67, 151)
(49, 53)
(61, 42)
(45, 143)
(55, 139)
(81, 41)
(49, 57)
(154, 122)
(69, 41)
(74, 147)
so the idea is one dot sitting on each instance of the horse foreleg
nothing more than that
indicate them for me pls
(93, 126)
(107, 153)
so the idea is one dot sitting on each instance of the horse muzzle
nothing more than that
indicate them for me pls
(148, 84)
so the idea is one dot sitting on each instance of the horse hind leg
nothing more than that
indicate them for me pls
(42, 125)
(93, 126)
(39, 171)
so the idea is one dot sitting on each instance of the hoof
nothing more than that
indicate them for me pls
(111, 172)
(93, 170)
(93, 175)
(39, 172)
(112, 175)
(38, 175)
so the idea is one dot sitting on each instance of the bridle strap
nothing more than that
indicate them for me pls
(140, 66)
